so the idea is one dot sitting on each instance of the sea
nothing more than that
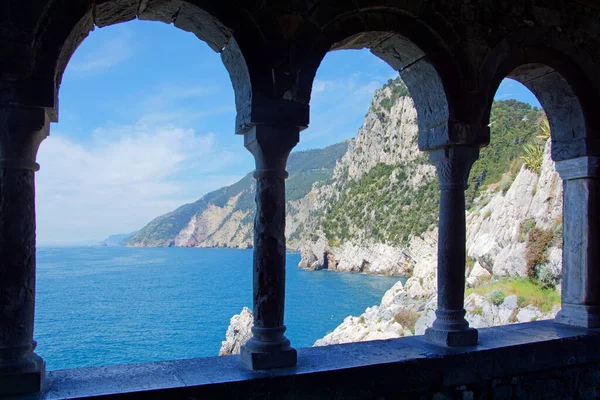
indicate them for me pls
(99, 306)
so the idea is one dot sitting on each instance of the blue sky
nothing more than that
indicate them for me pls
(147, 124)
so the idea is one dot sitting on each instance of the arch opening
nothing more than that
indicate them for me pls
(64, 27)
(381, 200)
(418, 73)
(133, 144)
(561, 104)
(515, 211)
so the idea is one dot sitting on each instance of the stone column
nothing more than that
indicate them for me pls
(21, 132)
(269, 348)
(581, 242)
(450, 327)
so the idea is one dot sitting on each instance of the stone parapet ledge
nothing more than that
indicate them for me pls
(508, 359)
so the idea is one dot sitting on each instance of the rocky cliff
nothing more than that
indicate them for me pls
(379, 211)
(513, 270)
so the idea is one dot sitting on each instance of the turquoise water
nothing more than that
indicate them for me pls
(117, 305)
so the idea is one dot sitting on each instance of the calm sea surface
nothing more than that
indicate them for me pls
(117, 305)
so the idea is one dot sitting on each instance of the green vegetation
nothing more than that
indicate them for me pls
(533, 156)
(497, 297)
(390, 211)
(398, 89)
(383, 206)
(534, 152)
(513, 124)
(529, 293)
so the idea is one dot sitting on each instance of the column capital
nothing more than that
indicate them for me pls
(580, 167)
(22, 130)
(271, 146)
(451, 133)
(453, 165)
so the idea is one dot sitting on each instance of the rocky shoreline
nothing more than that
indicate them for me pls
(499, 246)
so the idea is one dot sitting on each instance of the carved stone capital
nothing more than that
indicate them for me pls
(578, 168)
(453, 165)
(271, 146)
(21, 132)
(450, 133)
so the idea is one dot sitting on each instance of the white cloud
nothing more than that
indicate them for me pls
(107, 55)
(122, 179)
(320, 85)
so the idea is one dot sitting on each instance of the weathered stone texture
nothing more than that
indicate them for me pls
(581, 255)
(17, 255)
(206, 27)
(159, 10)
(269, 348)
(450, 327)
(109, 12)
(21, 370)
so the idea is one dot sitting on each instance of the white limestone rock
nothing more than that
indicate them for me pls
(238, 333)
(528, 314)
(494, 230)
(389, 296)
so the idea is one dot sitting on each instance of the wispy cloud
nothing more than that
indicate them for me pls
(122, 179)
(109, 54)
(505, 96)
(339, 105)
(183, 117)
(320, 85)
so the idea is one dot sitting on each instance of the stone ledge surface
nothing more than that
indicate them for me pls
(368, 369)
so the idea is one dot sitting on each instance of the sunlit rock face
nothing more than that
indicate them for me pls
(238, 333)
(497, 228)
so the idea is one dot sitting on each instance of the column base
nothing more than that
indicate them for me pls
(467, 337)
(256, 356)
(24, 377)
(579, 315)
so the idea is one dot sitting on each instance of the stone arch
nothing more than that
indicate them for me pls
(549, 66)
(431, 73)
(64, 26)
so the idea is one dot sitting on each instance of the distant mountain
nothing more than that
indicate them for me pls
(118, 239)
(223, 218)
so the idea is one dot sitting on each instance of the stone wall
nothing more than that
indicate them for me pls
(538, 360)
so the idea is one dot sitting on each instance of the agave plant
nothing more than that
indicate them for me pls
(533, 157)
(543, 128)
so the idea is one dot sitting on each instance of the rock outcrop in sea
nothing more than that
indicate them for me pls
(238, 333)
